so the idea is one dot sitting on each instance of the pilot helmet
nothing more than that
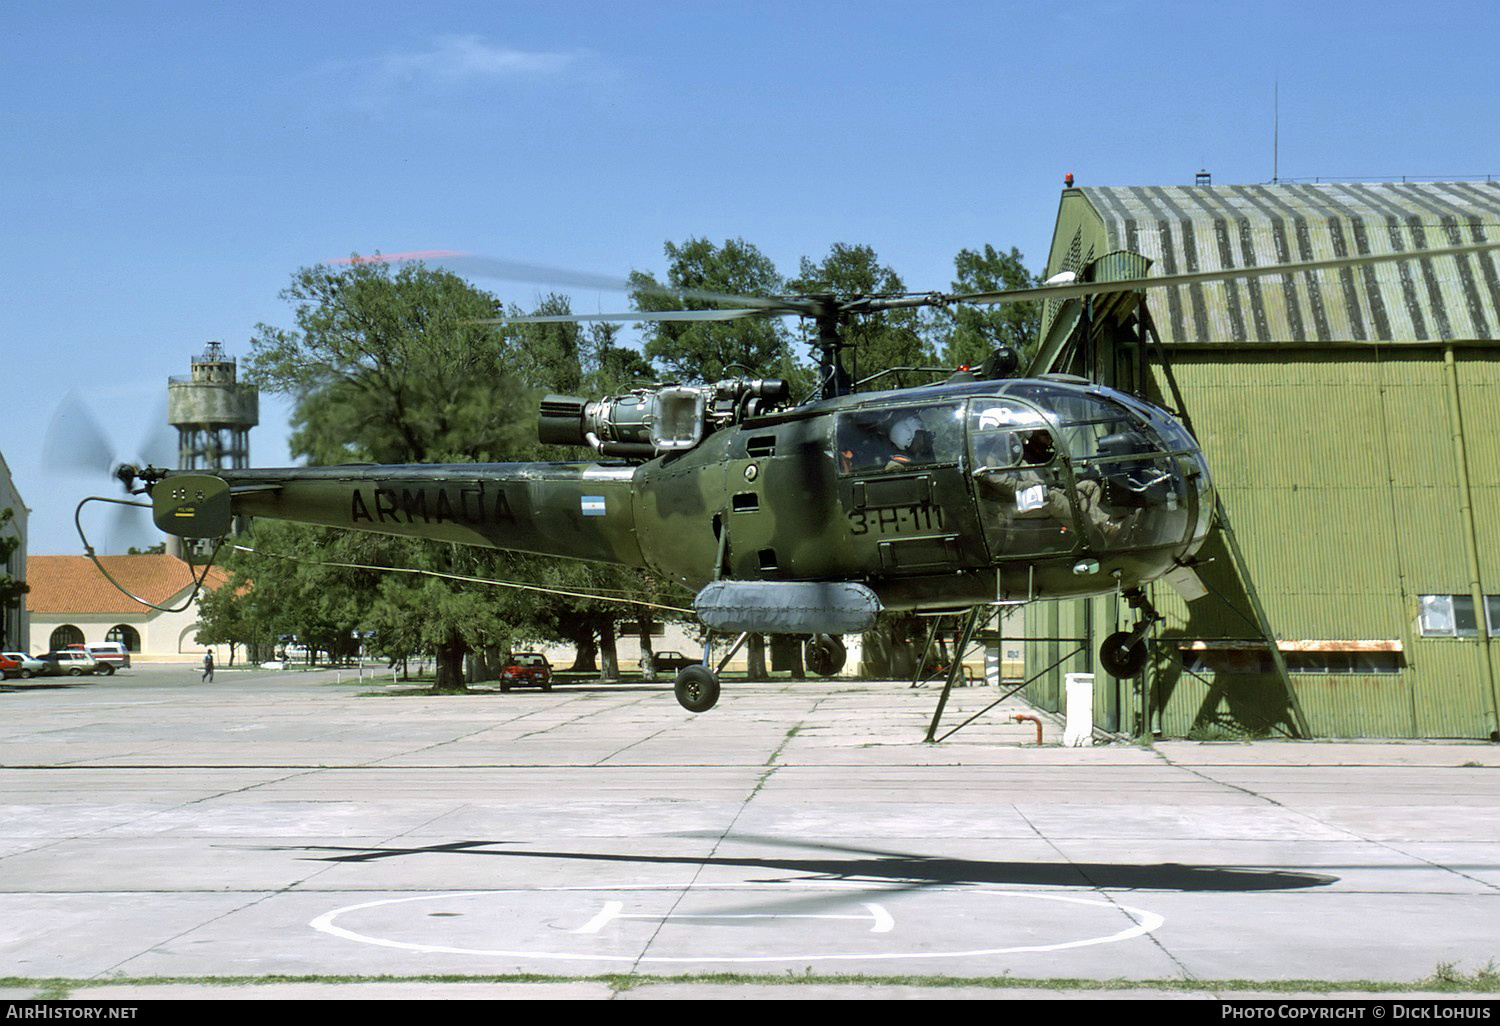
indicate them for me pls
(904, 431)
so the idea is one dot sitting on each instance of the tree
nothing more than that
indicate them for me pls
(979, 330)
(879, 341)
(392, 368)
(395, 367)
(693, 351)
(608, 366)
(549, 353)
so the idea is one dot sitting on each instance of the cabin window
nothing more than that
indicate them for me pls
(894, 439)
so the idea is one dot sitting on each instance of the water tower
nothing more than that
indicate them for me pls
(213, 413)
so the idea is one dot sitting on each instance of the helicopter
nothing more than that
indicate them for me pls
(810, 518)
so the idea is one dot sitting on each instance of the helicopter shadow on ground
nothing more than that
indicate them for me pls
(8, 687)
(905, 871)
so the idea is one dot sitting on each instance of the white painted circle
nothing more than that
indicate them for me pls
(1144, 922)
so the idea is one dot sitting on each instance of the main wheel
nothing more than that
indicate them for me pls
(1120, 657)
(107, 669)
(697, 688)
(825, 654)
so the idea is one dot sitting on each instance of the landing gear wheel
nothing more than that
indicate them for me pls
(1123, 654)
(825, 654)
(697, 688)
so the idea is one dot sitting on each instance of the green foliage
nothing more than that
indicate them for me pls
(608, 366)
(548, 354)
(977, 330)
(693, 351)
(392, 368)
(879, 341)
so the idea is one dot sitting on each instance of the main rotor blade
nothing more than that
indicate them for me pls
(1077, 290)
(634, 315)
(536, 274)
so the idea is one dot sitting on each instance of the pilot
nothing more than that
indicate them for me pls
(1039, 500)
(911, 442)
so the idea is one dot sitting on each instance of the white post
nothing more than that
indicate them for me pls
(1079, 731)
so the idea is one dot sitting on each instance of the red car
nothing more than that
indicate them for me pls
(526, 670)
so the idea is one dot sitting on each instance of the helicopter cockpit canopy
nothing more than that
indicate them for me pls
(1059, 468)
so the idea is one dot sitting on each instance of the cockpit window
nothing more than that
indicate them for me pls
(1078, 469)
(894, 439)
(1008, 435)
(1090, 425)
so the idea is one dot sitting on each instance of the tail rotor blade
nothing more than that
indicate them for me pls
(75, 442)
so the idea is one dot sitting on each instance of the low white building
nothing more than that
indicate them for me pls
(71, 601)
(13, 625)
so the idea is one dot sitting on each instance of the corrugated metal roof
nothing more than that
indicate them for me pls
(72, 584)
(1193, 228)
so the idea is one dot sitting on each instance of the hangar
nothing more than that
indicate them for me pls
(1352, 421)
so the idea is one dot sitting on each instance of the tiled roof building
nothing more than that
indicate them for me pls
(72, 601)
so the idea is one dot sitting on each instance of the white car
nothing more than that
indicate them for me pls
(73, 663)
(112, 652)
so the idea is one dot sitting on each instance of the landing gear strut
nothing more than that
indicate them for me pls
(1124, 653)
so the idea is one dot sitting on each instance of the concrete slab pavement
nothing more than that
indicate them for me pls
(276, 824)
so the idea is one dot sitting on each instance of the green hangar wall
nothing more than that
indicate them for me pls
(1351, 419)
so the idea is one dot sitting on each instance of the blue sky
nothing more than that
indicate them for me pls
(168, 166)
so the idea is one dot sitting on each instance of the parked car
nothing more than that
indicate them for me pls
(27, 666)
(8, 667)
(70, 662)
(671, 662)
(112, 652)
(526, 670)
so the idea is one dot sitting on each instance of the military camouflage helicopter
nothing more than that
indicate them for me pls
(808, 519)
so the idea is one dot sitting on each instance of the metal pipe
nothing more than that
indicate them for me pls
(1027, 717)
(1471, 542)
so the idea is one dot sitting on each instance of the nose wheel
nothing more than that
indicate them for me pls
(697, 688)
(1124, 653)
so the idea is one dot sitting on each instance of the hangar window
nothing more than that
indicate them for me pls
(1322, 658)
(1453, 616)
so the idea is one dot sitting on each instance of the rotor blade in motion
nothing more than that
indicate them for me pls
(1077, 290)
(508, 270)
(633, 315)
(75, 442)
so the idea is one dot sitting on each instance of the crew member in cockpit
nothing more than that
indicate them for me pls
(1035, 494)
(911, 443)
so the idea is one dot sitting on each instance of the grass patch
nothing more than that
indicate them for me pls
(1446, 978)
